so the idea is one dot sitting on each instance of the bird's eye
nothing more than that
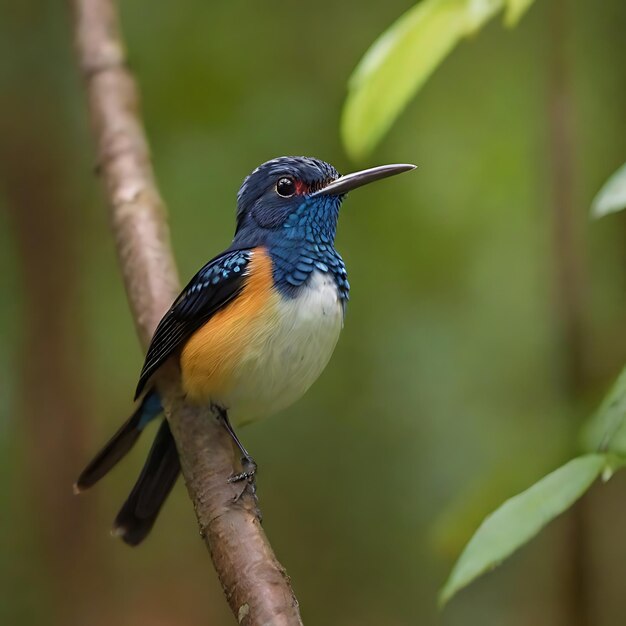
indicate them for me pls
(285, 187)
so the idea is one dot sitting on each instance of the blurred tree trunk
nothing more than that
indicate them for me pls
(51, 398)
(571, 297)
(52, 379)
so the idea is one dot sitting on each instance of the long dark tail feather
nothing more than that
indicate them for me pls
(120, 444)
(137, 515)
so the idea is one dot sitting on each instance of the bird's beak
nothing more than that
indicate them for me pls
(343, 184)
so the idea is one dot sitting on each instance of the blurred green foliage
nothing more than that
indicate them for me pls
(520, 518)
(606, 429)
(402, 59)
(449, 374)
(612, 196)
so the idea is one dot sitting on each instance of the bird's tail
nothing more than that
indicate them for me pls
(137, 515)
(157, 477)
(120, 444)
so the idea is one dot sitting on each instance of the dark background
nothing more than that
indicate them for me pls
(486, 318)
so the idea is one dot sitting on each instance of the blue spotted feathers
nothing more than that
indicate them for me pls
(298, 230)
(216, 284)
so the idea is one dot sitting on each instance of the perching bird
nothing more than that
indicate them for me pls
(252, 330)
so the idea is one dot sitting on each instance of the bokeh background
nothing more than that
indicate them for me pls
(486, 319)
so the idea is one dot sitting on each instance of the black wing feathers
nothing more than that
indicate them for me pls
(216, 284)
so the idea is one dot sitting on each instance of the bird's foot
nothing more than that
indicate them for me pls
(247, 477)
(248, 473)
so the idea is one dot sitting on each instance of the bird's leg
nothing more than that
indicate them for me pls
(248, 463)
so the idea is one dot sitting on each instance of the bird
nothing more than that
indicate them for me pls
(251, 331)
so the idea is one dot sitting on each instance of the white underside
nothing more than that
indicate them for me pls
(290, 352)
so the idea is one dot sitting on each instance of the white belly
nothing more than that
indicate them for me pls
(281, 363)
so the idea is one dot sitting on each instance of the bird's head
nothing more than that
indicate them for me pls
(299, 192)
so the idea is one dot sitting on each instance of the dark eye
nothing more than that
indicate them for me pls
(285, 187)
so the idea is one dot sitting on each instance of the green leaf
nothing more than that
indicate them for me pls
(514, 11)
(612, 196)
(521, 518)
(401, 60)
(606, 429)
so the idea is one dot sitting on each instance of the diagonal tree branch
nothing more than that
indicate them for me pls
(256, 585)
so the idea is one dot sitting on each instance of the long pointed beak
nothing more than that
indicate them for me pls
(346, 183)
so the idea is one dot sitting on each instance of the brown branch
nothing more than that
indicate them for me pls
(255, 584)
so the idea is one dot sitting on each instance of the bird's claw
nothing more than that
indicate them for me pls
(247, 476)
(249, 467)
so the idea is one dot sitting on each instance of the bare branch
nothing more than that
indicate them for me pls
(255, 584)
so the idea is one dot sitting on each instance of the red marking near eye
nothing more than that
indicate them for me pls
(301, 187)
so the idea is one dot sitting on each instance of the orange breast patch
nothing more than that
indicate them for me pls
(211, 356)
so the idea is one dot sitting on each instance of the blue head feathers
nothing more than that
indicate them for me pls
(291, 206)
(279, 188)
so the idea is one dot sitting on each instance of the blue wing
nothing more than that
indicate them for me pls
(216, 284)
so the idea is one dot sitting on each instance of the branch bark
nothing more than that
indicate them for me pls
(256, 585)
